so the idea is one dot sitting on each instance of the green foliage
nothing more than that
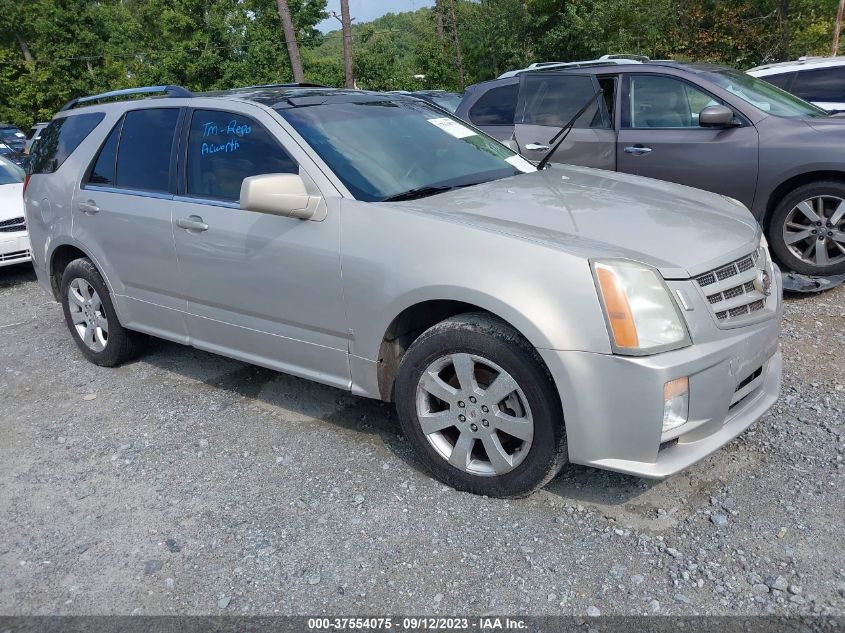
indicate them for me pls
(53, 50)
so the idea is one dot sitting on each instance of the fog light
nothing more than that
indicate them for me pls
(675, 403)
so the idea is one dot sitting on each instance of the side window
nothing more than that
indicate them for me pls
(102, 173)
(608, 89)
(664, 102)
(553, 101)
(224, 148)
(781, 81)
(496, 106)
(143, 156)
(824, 84)
(59, 140)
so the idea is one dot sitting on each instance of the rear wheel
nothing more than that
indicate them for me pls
(807, 230)
(91, 318)
(480, 408)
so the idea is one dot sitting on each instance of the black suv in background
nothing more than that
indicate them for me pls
(704, 126)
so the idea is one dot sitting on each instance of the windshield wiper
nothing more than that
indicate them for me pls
(560, 137)
(422, 192)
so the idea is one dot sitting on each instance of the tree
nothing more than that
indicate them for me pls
(457, 42)
(837, 29)
(290, 40)
(346, 29)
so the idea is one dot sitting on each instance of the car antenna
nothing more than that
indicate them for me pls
(560, 137)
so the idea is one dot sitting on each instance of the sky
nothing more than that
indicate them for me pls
(366, 10)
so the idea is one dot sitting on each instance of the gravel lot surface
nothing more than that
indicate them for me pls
(189, 483)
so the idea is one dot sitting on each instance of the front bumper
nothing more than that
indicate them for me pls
(14, 250)
(613, 405)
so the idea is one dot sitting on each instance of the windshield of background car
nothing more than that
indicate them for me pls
(764, 96)
(9, 172)
(380, 149)
(11, 134)
(447, 102)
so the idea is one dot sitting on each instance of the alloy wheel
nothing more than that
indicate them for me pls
(474, 414)
(88, 314)
(814, 230)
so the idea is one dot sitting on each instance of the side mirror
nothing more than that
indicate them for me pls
(279, 194)
(716, 116)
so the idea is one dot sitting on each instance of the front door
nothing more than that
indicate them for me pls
(547, 102)
(660, 138)
(260, 287)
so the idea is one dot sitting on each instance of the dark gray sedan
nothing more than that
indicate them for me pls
(704, 126)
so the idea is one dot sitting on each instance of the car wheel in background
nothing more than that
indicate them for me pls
(480, 408)
(91, 318)
(807, 229)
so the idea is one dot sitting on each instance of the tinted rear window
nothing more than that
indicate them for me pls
(824, 84)
(781, 81)
(103, 171)
(59, 140)
(143, 158)
(496, 106)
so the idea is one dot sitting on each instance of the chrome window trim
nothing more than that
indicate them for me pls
(129, 192)
(212, 202)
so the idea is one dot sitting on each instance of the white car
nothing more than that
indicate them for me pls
(819, 80)
(14, 240)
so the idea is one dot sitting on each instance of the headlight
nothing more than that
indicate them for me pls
(641, 315)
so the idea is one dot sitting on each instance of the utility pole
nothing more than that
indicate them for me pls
(290, 40)
(346, 25)
(837, 28)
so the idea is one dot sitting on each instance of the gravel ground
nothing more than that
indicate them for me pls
(187, 483)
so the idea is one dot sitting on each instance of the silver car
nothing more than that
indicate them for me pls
(519, 319)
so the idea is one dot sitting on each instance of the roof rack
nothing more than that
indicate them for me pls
(301, 84)
(170, 91)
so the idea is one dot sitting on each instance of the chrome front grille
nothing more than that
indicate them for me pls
(14, 255)
(731, 292)
(13, 225)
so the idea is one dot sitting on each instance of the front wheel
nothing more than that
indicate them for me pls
(807, 229)
(480, 408)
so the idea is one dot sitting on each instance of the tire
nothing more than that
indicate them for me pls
(804, 256)
(110, 344)
(514, 466)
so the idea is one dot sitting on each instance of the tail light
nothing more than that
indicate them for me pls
(26, 182)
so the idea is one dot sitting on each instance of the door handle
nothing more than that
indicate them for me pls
(637, 150)
(536, 146)
(192, 223)
(89, 207)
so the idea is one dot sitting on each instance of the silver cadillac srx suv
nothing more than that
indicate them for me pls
(519, 318)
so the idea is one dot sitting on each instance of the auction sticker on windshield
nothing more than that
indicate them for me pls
(452, 127)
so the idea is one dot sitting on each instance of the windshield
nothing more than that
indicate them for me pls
(9, 172)
(384, 149)
(764, 96)
(11, 134)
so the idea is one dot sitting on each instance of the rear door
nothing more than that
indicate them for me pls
(547, 102)
(660, 137)
(122, 214)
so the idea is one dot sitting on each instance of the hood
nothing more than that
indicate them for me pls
(827, 125)
(11, 201)
(679, 230)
